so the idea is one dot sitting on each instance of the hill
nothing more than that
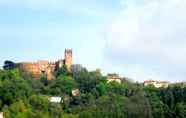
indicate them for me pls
(21, 96)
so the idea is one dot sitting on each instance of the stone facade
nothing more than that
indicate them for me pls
(36, 69)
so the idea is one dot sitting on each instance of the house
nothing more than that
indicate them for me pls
(75, 92)
(113, 78)
(157, 84)
(1, 115)
(55, 99)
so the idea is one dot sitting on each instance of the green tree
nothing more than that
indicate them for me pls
(18, 110)
(62, 85)
(39, 102)
(86, 81)
(61, 71)
(14, 89)
(180, 110)
(55, 110)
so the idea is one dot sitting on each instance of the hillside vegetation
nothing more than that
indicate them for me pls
(24, 97)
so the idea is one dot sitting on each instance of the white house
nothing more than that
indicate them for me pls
(75, 92)
(56, 99)
(1, 115)
(157, 84)
(113, 78)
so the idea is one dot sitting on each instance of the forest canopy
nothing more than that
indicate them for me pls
(24, 97)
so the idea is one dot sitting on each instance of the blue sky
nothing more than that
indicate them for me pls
(140, 39)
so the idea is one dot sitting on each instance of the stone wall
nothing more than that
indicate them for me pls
(36, 69)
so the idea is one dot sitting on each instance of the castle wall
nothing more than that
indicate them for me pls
(36, 69)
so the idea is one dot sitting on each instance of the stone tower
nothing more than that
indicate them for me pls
(68, 59)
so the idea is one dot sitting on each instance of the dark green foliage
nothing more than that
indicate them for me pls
(167, 102)
(9, 65)
(86, 81)
(61, 71)
(62, 85)
(44, 80)
(24, 97)
(13, 87)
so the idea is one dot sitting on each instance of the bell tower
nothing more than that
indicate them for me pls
(68, 59)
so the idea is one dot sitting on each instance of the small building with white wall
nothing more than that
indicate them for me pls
(157, 84)
(75, 92)
(113, 78)
(1, 115)
(56, 99)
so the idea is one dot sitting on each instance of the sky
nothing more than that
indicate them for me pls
(139, 39)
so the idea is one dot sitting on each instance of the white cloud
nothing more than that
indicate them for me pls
(149, 33)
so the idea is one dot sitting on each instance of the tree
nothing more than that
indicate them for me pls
(86, 81)
(180, 110)
(55, 109)
(61, 71)
(62, 85)
(138, 106)
(102, 88)
(14, 88)
(9, 65)
(18, 110)
(69, 116)
(44, 80)
(39, 102)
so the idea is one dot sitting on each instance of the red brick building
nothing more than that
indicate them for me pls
(36, 69)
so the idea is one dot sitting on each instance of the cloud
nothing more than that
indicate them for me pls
(149, 36)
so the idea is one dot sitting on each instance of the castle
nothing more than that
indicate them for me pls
(36, 69)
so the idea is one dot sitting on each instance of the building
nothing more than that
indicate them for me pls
(1, 115)
(36, 69)
(55, 99)
(113, 78)
(157, 84)
(68, 59)
(75, 92)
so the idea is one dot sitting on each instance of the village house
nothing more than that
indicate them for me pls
(75, 92)
(1, 115)
(157, 84)
(113, 78)
(55, 99)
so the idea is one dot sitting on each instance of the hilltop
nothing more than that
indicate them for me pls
(85, 94)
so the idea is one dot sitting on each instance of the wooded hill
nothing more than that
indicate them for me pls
(24, 97)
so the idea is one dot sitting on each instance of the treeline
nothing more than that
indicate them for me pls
(24, 97)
